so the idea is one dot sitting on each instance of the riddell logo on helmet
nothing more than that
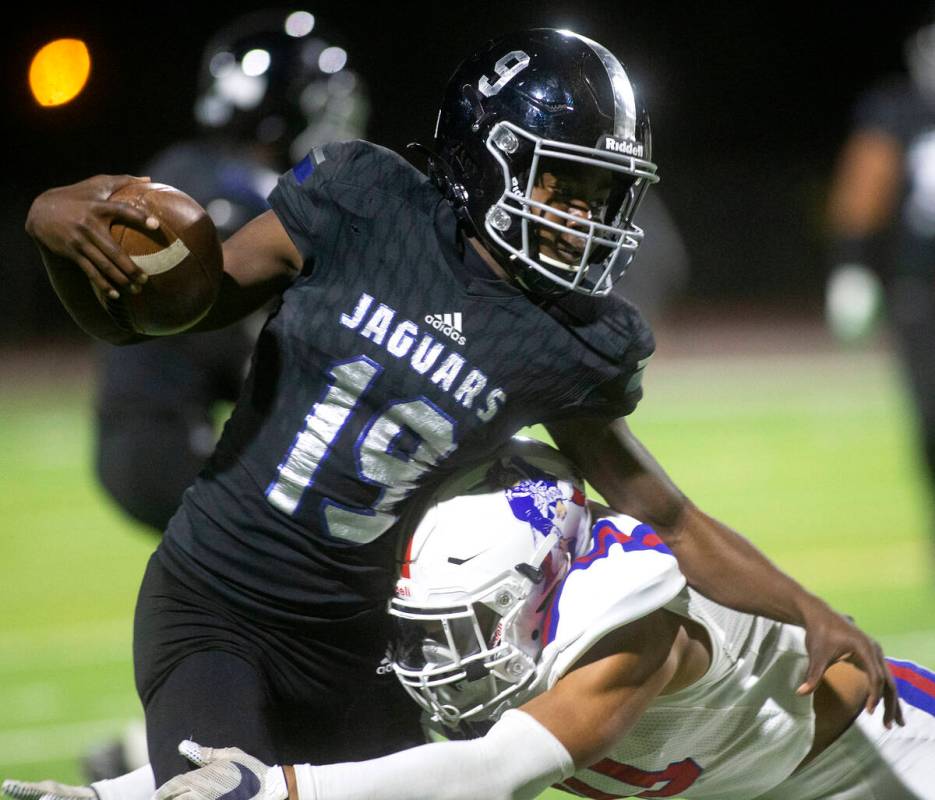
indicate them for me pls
(625, 146)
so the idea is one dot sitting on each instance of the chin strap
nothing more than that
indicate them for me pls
(477, 102)
(443, 176)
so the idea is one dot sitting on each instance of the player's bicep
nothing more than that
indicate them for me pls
(261, 253)
(603, 696)
(615, 462)
(260, 261)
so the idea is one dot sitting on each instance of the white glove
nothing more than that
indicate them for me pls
(47, 790)
(227, 774)
(853, 302)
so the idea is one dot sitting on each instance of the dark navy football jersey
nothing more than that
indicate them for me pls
(393, 358)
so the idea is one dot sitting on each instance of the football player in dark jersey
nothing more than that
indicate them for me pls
(882, 222)
(421, 321)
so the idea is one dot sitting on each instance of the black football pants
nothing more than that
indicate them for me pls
(209, 673)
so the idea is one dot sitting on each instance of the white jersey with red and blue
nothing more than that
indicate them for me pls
(736, 732)
(869, 761)
(740, 731)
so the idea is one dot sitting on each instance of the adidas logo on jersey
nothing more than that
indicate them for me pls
(448, 324)
(386, 666)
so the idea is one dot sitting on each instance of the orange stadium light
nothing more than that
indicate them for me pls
(59, 71)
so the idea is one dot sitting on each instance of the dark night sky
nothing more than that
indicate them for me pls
(749, 103)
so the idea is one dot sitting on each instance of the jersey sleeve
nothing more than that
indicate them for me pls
(354, 182)
(618, 343)
(627, 573)
(619, 395)
(304, 196)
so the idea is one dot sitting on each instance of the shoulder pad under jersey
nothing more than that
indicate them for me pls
(627, 573)
(339, 181)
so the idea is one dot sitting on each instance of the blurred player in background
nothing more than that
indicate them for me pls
(272, 84)
(882, 219)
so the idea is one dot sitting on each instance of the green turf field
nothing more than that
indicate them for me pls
(809, 456)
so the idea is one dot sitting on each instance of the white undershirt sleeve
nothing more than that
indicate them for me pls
(517, 758)
(137, 785)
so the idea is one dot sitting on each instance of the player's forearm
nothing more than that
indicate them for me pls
(723, 565)
(518, 758)
(716, 560)
(235, 302)
(77, 296)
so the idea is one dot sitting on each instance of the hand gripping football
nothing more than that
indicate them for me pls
(182, 258)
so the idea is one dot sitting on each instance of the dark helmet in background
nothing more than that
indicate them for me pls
(544, 150)
(275, 78)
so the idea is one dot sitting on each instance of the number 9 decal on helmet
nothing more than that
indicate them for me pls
(544, 149)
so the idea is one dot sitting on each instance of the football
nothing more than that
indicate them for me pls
(182, 259)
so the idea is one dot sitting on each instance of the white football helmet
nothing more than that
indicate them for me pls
(476, 579)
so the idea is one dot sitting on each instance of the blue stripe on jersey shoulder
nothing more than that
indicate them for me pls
(915, 684)
(303, 169)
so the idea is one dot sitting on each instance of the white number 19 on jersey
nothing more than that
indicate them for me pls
(380, 459)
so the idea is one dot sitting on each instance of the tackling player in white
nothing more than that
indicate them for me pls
(563, 638)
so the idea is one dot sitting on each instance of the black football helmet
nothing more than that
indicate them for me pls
(270, 76)
(543, 149)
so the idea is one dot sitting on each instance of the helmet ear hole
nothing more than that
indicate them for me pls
(443, 176)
